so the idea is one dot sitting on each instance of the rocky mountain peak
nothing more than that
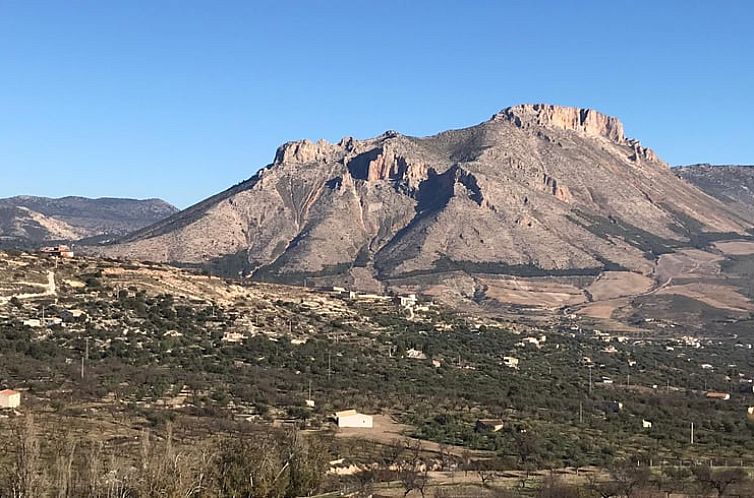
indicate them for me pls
(587, 121)
(305, 151)
(540, 190)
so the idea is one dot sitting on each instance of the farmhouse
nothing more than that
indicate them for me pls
(10, 399)
(405, 301)
(58, 251)
(352, 418)
(510, 361)
(489, 425)
(717, 395)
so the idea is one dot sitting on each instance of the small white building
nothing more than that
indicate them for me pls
(10, 399)
(489, 425)
(510, 361)
(646, 424)
(233, 337)
(404, 301)
(416, 354)
(352, 418)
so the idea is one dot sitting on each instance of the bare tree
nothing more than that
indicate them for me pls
(630, 477)
(26, 479)
(411, 469)
(676, 479)
(603, 489)
(166, 471)
(63, 458)
(554, 487)
(527, 448)
(486, 472)
(718, 480)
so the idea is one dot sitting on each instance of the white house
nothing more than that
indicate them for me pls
(404, 301)
(10, 399)
(415, 354)
(510, 361)
(646, 424)
(489, 425)
(352, 418)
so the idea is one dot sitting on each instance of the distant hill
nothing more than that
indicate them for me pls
(535, 191)
(28, 220)
(732, 184)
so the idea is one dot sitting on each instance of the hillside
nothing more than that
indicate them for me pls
(28, 219)
(537, 191)
(733, 185)
(107, 352)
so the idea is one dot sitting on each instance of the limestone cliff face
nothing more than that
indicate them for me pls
(587, 121)
(538, 188)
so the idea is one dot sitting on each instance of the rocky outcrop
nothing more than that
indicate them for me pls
(305, 151)
(640, 152)
(587, 121)
(559, 191)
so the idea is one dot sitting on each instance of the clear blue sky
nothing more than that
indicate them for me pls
(181, 99)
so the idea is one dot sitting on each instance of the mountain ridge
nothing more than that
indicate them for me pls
(537, 188)
(732, 184)
(34, 219)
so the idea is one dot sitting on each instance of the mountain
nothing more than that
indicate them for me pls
(535, 191)
(38, 219)
(733, 185)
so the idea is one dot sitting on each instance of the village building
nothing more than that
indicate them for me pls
(489, 425)
(233, 337)
(510, 361)
(415, 354)
(10, 399)
(353, 419)
(717, 395)
(405, 301)
(646, 424)
(750, 413)
(61, 251)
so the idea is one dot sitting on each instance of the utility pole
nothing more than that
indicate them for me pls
(692, 432)
(85, 357)
(629, 379)
(590, 380)
(581, 412)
